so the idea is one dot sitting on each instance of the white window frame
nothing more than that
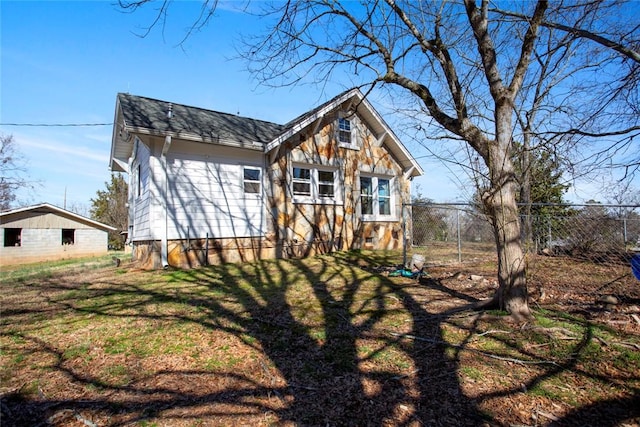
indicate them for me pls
(314, 196)
(304, 181)
(246, 181)
(375, 196)
(353, 143)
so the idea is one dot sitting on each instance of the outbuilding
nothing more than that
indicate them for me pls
(45, 232)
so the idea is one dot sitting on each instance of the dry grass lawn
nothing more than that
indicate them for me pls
(329, 340)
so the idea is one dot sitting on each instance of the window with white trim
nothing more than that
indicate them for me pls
(366, 195)
(376, 198)
(326, 183)
(344, 130)
(251, 180)
(302, 182)
(346, 133)
(384, 196)
(314, 184)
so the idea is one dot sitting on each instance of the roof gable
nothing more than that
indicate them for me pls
(356, 101)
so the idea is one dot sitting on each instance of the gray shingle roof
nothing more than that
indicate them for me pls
(151, 114)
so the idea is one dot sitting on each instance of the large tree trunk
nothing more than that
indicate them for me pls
(502, 208)
(512, 291)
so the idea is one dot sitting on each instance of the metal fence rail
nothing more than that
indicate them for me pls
(450, 233)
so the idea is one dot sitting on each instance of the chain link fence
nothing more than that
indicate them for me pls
(455, 233)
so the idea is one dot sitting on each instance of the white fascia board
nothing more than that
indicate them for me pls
(310, 119)
(114, 134)
(396, 143)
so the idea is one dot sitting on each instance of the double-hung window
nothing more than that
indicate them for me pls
(376, 198)
(302, 182)
(251, 180)
(346, 133)
(344, 130)
(314, 185)
(366, 195)
(384, 196)
(326, 183)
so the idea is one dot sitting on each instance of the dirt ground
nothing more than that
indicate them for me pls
(332, 341)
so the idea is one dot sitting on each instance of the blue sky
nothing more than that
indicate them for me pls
(64, 63)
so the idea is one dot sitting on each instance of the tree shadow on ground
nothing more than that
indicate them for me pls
(325, 327)
(330, 343)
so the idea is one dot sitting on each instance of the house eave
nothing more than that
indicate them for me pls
(185, 136)
(120, 163)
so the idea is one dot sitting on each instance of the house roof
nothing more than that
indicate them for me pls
(142, 115)
(48, 208)
(149, 114)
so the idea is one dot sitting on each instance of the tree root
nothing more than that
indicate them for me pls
(493, 303)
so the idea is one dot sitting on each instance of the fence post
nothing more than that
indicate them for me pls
(459, 237)
(404, 234)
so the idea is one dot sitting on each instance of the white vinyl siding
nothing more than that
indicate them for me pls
(207, 196)
(139, 220)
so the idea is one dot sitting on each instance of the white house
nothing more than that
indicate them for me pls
(45, 232)
(210, 187)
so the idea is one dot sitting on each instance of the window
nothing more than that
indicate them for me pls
(325, 183)
(251, 181)
(12, 237)
(68, 236)
(376, 198)
(314, 185)
(384, 197)
(366, 195)
(301, 182)
(344, 131)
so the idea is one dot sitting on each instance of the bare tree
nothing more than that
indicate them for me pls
(13, 172)
(470, 70)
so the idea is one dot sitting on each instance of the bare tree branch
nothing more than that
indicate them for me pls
(578, 32)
